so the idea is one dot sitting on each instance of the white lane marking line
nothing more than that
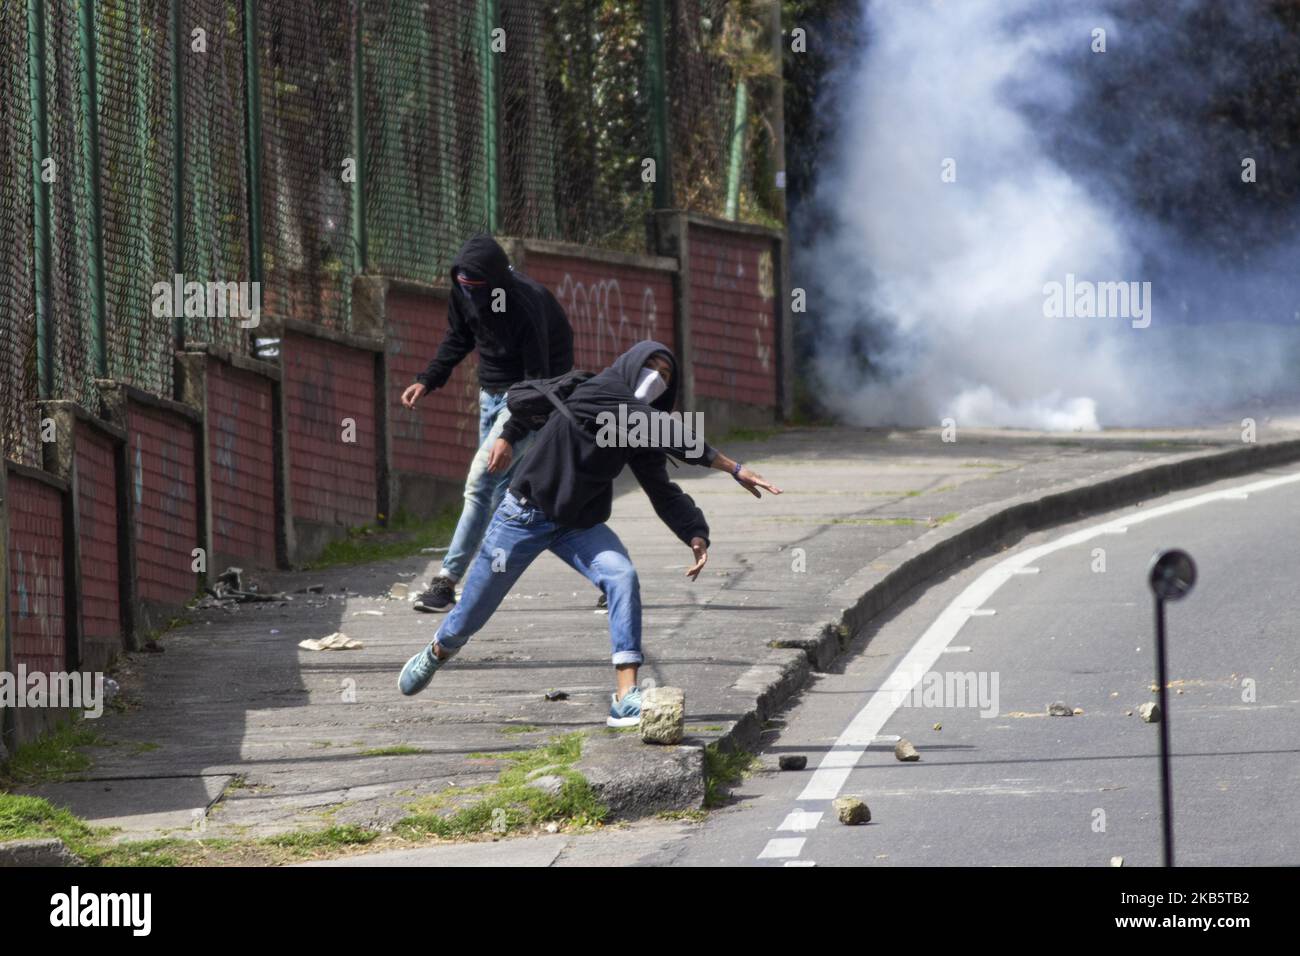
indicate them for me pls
(801, 821)
(779, 849)
(957, 649)
(1237, 496)
(983, 612)
(800, 863)
(840, 760)
(1029, 571)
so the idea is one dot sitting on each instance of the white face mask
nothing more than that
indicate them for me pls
(650, 385)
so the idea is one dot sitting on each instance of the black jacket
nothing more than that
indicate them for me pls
(530, 339)
(571, 478)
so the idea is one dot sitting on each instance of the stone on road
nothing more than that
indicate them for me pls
(663, 715)
(851, 811)
(905, 752)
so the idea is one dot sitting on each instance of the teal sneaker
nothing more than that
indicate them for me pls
(419, 670)
(625, 712)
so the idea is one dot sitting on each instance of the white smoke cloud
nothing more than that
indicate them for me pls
(945, 280)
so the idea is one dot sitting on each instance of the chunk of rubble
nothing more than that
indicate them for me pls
(792, 761)
(904, 751)
(1060, 709)
(1150, 713)
(663, 715)
(548, 784)
(851, 811)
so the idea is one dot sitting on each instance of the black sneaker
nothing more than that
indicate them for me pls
(440, 596)
(602, 601)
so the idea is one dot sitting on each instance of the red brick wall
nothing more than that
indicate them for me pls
(437, 437)
(242, 456)
(98, 528)
(330, 481)
(162, 451)
(610, 307)
(36, 574)
(733, 316)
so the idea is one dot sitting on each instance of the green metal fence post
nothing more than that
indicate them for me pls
(737, 148)
(359, 237)
(41, 238)
(657, 61)
(178, 165)
(253, 150)
(491, 111)
(90, 155)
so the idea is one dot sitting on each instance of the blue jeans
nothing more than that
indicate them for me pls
(483, 490)
(517, 535)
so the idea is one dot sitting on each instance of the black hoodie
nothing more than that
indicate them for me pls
(530, 339)
(571, 478)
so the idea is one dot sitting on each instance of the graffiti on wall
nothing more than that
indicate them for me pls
(599, 319)
(34, 586)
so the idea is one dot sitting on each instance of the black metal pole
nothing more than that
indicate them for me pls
(1166, 784)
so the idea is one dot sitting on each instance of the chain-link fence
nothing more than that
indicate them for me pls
(299, 142)
(306, 58)
(18, 385)
(68, 183)
(719, 72)
(137, 127)
(425, 114)
(213, 171)
(578, 122)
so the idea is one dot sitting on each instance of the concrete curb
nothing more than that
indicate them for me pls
(786, 669)
(44, 852)
(638, 780)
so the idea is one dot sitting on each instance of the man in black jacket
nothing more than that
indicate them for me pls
(521, 332)
(561, 497)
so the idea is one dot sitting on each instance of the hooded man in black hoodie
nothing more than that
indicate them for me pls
(521, 332)
(561, 497)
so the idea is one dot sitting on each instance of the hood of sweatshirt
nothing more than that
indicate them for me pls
(482, 257)
(626, 369)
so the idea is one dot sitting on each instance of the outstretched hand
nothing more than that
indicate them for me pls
(701, 550)
(752, 481)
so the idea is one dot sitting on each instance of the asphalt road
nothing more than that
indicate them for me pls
(1002, 783)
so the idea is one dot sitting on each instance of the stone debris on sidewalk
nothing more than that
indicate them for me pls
(851, 811)
(904, 751)
(1150, 713)
(663, 715)
(338, 641)
(792, 762)
(228, 590)
(1060, 709)
(557, 695)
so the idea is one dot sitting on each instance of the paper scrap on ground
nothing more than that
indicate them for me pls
(338, 641)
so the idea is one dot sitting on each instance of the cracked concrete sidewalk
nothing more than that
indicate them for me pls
(236, 728)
